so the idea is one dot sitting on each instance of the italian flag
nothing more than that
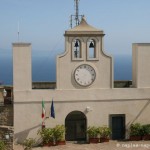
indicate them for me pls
(43, 110)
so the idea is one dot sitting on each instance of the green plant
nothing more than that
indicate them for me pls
(28, 143)
(2, 145)
(47, 134)
(92, 132)
(136, 129)
(145, 129)
(59, 132)
(104, 132)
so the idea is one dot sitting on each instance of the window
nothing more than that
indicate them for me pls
(91, 49)
(76, 49)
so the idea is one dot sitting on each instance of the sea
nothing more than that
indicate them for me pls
(44, 68)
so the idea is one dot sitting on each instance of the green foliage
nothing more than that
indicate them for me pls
(50, 134)
(145, 129)
(93, 132)
(28, 143)
(104, 131)
(47, 135)
(59, 132)
(136, 129)
(2, 145)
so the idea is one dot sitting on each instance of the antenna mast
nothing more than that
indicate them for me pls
(18, 31)
(75, 17)
(77, 11)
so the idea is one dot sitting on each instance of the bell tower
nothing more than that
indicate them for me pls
(84, 65)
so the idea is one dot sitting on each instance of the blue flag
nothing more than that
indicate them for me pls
(52, 110)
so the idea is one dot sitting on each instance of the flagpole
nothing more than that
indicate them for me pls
(43, 114)
(52, 109)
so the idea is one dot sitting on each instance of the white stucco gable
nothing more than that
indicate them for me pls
(101, 63)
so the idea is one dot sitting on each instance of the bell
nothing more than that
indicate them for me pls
(91, 45)
(76, 44)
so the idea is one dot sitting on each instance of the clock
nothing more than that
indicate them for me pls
(84, 75)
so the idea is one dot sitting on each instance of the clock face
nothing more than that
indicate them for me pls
(84, 75)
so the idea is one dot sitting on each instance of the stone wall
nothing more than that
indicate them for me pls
(6, 115)
(6, 135)
(6, 125)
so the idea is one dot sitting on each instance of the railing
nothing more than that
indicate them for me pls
(43, 85)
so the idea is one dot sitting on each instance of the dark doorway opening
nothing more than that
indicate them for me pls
(117, 124)
(76, 126)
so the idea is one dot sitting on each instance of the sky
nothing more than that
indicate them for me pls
(43, 23)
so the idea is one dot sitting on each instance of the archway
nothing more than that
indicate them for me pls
(76, 126)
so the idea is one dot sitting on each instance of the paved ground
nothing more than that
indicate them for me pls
(112, 145)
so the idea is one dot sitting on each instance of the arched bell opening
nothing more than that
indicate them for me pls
(77, 48)
(91, 48)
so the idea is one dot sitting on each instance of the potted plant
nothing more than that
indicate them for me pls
(93, 134)
(135, 132)
(47, 135)
(2, 145)
(104, 132)
(28, 143)
(146, 132)
(59, 134)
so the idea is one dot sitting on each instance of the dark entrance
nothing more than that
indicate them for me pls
(76, 126)
(117, 124)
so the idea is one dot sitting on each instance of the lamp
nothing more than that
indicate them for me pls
(88, 109)
(4, 93)
(7, 136)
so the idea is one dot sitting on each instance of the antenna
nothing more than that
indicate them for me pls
(77, 11)
(18, 31)
(75, 17)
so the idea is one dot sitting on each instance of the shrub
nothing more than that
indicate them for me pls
(46, 134)
(93, 132)
(59, 132)
(145, 129)
(104, 132)
(28, 143)
(136, 129)
(52, 134)
(2, 145)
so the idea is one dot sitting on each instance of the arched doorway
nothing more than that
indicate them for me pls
(76, 126)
